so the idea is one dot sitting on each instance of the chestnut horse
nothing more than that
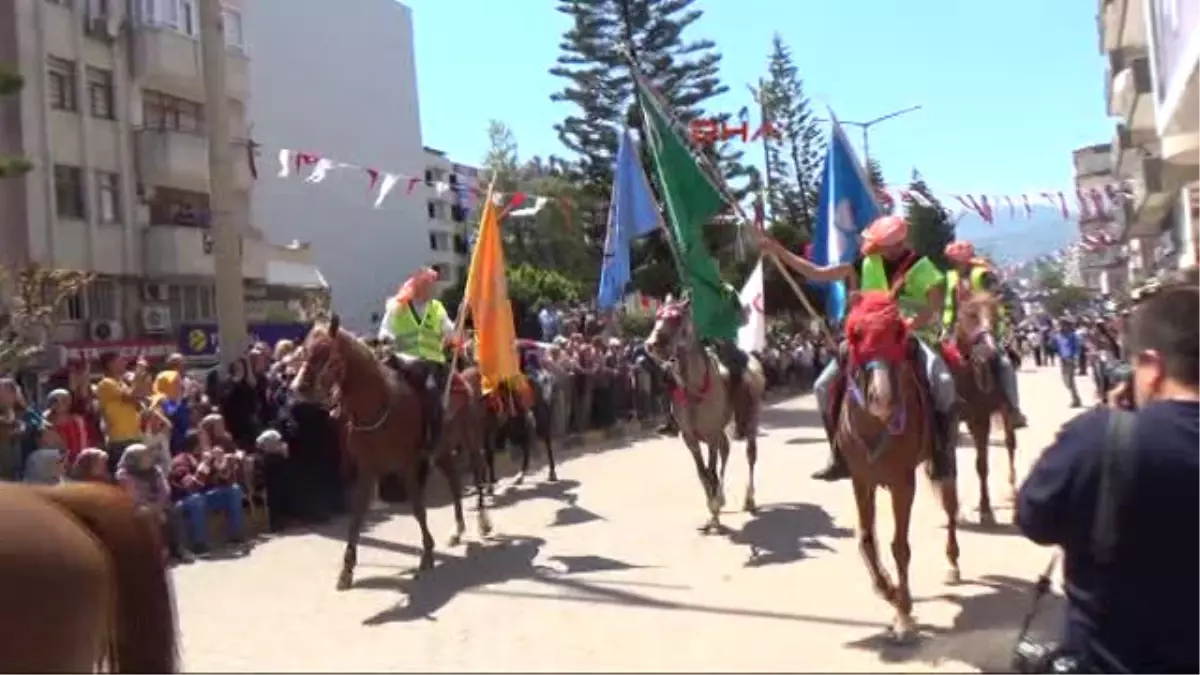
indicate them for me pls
(885, 431)
(384, 420)
(705, 403)
(84, 583)
(976, 370)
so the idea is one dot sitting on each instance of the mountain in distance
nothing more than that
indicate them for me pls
(1019, 238)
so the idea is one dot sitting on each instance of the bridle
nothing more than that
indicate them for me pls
(330, 377)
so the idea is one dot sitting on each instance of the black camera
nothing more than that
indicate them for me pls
(1030, 657)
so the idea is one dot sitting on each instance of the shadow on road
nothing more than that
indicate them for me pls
(779, 417)
(562, 490)
(984, 631)
(784, 533)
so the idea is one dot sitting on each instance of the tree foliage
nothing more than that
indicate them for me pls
(793, 160)
(11, 84)
(32, 298)
(929, 225)
(528, 286)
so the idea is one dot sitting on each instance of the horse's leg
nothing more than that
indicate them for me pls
(948, 490)
(718, 453)
(542, 427)
(903, 627)
(449, 467)
(360, 499)
(489, 456)
(474, 443)
(693, 446)
(526, 441)
(980, 431)
(864, 500)
(1010, 445)
(750, 505)
(415, 479)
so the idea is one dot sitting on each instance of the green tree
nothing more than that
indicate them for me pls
(929, 225)
(11, 84)
(32, 298)
(793, 160)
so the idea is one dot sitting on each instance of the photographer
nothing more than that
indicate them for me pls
(1131, 603)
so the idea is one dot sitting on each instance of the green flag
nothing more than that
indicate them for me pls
(691, 200)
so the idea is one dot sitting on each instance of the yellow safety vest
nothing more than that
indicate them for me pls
(950, 305)
(919, 278)
(422, 340)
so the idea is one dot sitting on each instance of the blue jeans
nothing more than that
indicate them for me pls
(936, 372)
(195, 509)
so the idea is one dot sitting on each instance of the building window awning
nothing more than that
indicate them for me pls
(294, 274)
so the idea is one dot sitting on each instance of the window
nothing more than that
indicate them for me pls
(189, 19)
(192, 303)
(101, 296)
(68, 192)
(233, 29)
(108, 197)
(71, 308)
(431, 208)
(97, 8)
(100, 93)
(171, 206)
(439, 241)
(60, 81)
(428, 177)
(165, 112)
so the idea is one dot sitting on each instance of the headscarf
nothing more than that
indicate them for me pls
(883, 233)
(53, 398)
(40, 467)
(416, 285)
(149, 478)
(79, 468)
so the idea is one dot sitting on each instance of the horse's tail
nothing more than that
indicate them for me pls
(143, 632)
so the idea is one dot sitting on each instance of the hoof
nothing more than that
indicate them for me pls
(749, 506)
(489, 491)
(720, 501)
(520, 479)
(426, 563)
(345, 581)
(953, 577)
(454, 539)
(553, 477)
(714, 505)
(903, 630)
(987, 518)
(485, 526)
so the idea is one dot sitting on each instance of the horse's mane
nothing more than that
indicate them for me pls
(352, 346)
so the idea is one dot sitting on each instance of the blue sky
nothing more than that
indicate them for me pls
(1007, 88)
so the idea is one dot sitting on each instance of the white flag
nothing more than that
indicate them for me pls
(752, 337)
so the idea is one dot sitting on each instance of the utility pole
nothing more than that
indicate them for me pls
(226, 231)
(866, 128)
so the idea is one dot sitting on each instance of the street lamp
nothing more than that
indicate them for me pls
(866, 127)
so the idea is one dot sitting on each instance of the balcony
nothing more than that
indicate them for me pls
(173, 250)
(1151, 198)
(1131, 94)
(1122, 25)
(167, 60)
(179, 159)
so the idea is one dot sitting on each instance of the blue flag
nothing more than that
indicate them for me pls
(631, 214)
(845, 207)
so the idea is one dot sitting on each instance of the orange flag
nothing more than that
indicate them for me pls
(487, 296)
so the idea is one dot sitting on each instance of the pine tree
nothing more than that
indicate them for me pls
(929, 226)
(11, 83)
(794, 159)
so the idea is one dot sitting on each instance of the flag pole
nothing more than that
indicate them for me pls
(460, 322)
(714, 178)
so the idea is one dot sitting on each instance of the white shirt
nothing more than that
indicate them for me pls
(389, 315)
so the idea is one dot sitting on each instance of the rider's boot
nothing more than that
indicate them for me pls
(945, 459)
(1008, 378)
(836, 469)
(437, 413)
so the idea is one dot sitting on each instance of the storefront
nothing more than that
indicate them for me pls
(199, 342)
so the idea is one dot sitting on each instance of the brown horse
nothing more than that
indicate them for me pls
(975, 368)
(705, 402)
(84, 583)
(520, 417)
(384, 420)
(885, 431)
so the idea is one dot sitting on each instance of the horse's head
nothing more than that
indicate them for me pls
(974, 331)
(332, 358)
(877, 337)
(673, 330)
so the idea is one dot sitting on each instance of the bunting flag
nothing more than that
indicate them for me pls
(491, 312)
(1093, 202)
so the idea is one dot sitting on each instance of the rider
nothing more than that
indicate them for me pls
(418, 327)
(969, 274)
(886, 258)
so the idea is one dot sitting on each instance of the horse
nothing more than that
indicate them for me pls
(885, 430)
(704, 403)
(84, 583)
(383, 413)
(975, 364)
(513, 417)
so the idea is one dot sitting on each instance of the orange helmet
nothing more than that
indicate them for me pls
(883, 233)
(960, 252)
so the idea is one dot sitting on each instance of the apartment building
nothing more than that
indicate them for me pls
(1152, 89)
(1102, 268)
(341, 84)
(453, 191)
(112, 117)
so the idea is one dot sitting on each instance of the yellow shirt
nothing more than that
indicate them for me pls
(122, 417)
(169, 384)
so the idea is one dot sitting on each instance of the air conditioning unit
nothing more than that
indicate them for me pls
(104, 331)
(156, 318)
(154, 292)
